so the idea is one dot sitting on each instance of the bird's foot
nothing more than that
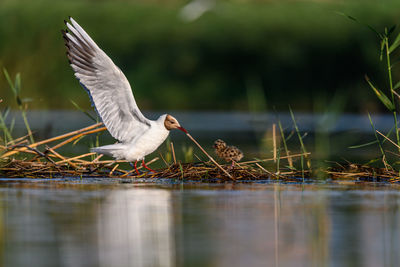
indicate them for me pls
(145, 166)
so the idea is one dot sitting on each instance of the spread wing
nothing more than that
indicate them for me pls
(107, 86)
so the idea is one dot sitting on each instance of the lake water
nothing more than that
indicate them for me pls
(111, 222)
(116, 222)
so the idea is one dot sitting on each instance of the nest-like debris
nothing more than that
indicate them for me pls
(47, 163)
(363, 173)
(205, 171)
(202, 171)
(40, 160)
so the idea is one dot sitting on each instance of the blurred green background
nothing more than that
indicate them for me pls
(236, 55)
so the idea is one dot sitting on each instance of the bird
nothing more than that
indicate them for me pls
(227, 153)
(111, 95)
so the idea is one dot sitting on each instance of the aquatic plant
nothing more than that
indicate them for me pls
(6, 137)
(22, 103)
(388, 45)
(387, 48)
(188, 153)
(303, 147)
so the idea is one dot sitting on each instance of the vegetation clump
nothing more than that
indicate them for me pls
(51, 164)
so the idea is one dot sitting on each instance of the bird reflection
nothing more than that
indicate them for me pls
(135, 229)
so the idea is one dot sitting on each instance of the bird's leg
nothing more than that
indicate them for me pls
(135, 166)
(144, 165)
(232, 165)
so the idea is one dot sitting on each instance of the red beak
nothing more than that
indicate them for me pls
(183, 130)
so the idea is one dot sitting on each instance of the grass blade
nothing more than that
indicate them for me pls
(396, 86)
(391, 30)
(84, 111)
(377, 138)
(10, 83)
(372, 142)
(384, 99)
(303, 148)
(395, 43)
(284, 143)
(364, 24)
(17, 83)
(364, 145)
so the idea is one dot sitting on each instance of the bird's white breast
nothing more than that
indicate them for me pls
(147, 143)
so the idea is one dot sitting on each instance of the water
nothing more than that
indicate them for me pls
(115, 222)
(106, 222)
(58, 121)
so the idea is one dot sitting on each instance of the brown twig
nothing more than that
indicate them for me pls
(216, 164)
(113, 169)
(165, 162)
(384, 136)
(52, 139)
(36, 152)
(274, 140)
(16, 141)
(262, 168)
(76, 158)
(173, 152)
(78, 136)
(60, 157)
(97, 158)
(289, 158)
(284, 157)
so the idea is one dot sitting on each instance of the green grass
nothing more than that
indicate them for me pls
(6, 130)
(389, 44)
(21, 102)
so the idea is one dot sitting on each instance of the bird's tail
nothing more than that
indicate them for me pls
(114, 150)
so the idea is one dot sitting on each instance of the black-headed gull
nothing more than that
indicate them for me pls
(111, 94)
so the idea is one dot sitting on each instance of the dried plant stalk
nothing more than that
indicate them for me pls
(173, 152)
(216, 164)
(274, 140)
(7, 154)
(42, 166)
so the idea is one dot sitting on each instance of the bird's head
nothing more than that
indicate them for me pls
(172, 123)
(219, 144)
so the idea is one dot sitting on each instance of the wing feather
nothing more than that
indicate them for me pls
(108, 88)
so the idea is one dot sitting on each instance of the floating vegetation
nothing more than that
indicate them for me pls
(47, 163)
(202, 171)
(363, 173)
(41, 160)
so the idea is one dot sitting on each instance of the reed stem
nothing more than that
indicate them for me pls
(7, 154)
(216, 164)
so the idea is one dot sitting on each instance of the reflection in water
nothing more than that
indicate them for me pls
(135, 229)
(86, 224)
(291, 226)
(62, 227)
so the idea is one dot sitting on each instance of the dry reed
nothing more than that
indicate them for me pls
(48, 163)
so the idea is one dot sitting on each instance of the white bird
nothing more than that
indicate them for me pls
(111, 94)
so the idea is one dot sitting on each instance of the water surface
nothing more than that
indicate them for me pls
(107, 222)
